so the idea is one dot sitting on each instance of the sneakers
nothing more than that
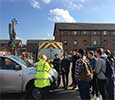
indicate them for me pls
(64, 87)
(95, 97)
(73, 88)
(70, 85)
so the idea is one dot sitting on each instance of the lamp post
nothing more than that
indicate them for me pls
(12, 34)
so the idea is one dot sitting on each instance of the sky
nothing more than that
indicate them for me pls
(36, 18)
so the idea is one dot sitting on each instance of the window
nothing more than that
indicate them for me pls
(2, 62)
(75, 32)
(113, 32)
(113, 42)
(75, 42)
(65, 42)
(94, 42)
(6, 63)
(94, 33)
(84, 32)
(104, 41)
(85, 42)
(105, 33)
(2, 45)
(65, 33)
(114, 52)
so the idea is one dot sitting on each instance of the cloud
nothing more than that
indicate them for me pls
(35, 4)
(46, 1)
(83, 1)
(22, 39)
(61, 15)
(49, 35)
(75, 4)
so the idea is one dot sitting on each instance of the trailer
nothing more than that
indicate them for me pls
(50, 48)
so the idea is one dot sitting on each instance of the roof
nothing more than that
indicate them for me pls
(84, 26)
(35, 41)
(6, 41)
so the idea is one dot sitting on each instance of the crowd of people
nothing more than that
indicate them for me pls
(102, 69)
(93, 72)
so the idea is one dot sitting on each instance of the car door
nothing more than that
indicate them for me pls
(1, 78)
(2, 63)
(12, 78)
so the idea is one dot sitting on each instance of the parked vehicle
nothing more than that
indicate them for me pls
(17, 76)
(50, 48)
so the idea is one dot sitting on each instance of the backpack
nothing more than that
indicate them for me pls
(109, 67)
(87, 73)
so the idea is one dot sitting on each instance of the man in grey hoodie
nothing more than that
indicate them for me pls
(100, 68)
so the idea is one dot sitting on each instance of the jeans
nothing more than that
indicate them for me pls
(84, 88)
(94, 85)
(59, 80)
(73, 77)
(110, 89)
(65, 79)
(102, 85)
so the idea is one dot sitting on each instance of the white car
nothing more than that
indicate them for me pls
(17, 76)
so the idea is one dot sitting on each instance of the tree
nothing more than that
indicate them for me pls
(12, 34)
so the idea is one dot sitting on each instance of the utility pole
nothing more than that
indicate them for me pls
(12, 34)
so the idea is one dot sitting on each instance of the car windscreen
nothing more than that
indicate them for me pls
(27, 64)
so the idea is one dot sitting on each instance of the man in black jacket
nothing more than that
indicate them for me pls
(65, 65)
(75, 57)
(57, 67)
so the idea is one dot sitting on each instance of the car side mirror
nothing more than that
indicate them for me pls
(18, 67)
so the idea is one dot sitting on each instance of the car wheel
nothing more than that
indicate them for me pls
(36, 94)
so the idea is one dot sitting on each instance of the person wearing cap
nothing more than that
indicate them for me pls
(42, 81)
(81, 77)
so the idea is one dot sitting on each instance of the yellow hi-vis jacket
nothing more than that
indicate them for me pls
(42, 75)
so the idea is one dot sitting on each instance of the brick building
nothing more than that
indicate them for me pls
(85, 35)
(5, 47)
(4, 44)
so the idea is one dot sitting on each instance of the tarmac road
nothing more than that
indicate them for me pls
(59, 94)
